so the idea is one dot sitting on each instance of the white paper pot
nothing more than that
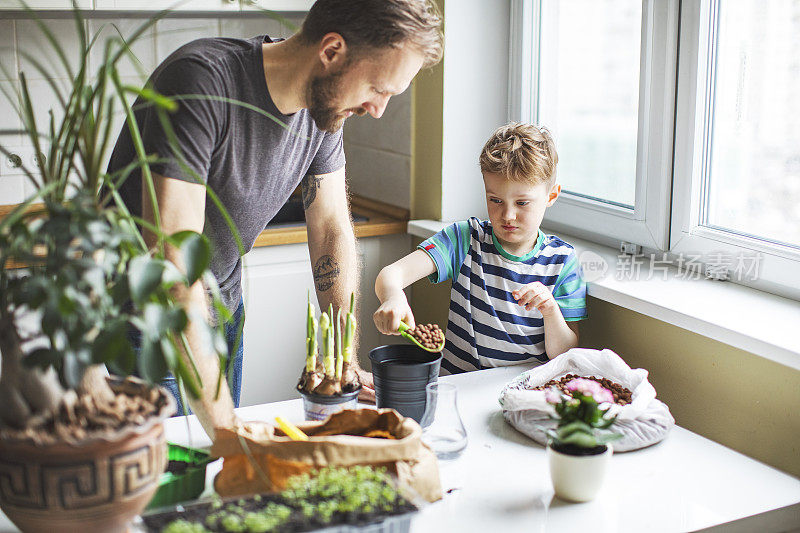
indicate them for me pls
(577, 478)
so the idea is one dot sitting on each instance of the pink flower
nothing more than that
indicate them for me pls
(552, 395)
(591, 388)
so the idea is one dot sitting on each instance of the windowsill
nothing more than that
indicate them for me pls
(758, 322)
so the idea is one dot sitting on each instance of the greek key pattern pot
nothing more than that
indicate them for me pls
(99, 486)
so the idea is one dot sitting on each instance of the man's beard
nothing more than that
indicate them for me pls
(321, 94)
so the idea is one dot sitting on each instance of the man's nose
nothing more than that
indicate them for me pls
(509, 213)
(377, 106)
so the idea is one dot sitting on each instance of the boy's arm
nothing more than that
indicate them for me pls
(559, 335)
(389, 288)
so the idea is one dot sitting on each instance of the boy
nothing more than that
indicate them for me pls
(516, 293)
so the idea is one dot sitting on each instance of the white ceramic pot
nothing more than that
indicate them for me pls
(577, 478)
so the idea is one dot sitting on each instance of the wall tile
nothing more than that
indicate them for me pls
(254, 24)
(8, 54)
(391, 132)
(32, 44)
(9, 119)
(379, 175)
(12, 187)
(12, 182)
(15, 185)
(144, 48)
(171, 34)
(43, 95)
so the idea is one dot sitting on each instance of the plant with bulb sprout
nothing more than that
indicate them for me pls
(332, 371)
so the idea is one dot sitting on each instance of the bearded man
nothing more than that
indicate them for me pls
(255, 118)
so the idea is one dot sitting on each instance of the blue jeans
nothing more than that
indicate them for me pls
(236, 355)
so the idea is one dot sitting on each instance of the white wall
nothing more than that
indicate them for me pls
(475, 98)
(379, 153)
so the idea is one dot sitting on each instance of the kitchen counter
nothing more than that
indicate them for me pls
(501, 482)
(379, 218)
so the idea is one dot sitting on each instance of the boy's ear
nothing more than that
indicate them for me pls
(555, 190)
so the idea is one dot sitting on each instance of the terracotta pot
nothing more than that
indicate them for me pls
(100, 484)
(577, 478)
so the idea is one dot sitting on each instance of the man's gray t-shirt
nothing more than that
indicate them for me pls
(251, 162)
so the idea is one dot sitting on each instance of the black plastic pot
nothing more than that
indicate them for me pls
(401, 372)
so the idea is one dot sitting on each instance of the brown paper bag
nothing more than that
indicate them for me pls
(336, 441)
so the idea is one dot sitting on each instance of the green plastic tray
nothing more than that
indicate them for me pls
(184, 486)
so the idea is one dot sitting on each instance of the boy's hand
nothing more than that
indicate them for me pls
(536, 295)
(388, 316)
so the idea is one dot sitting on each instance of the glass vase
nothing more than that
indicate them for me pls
(442, 428)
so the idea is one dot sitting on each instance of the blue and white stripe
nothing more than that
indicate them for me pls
(486, 326)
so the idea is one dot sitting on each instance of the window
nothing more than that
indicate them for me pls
(754, 172)
(601, 76)
(589, 94)
(606, 78)
(736, 192)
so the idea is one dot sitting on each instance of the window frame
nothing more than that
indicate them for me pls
(647, 224)
(694, 116)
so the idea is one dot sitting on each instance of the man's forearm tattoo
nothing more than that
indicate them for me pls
(309, 189)
(326, 270)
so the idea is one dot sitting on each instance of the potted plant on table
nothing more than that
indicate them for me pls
(330, 384)
(578, 448)
(80, 450)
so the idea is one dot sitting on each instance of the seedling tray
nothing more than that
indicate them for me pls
(397, 522)
(184, 483)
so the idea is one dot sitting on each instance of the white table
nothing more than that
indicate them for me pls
(501, 482)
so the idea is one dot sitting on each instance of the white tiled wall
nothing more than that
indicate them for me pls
(378, 151)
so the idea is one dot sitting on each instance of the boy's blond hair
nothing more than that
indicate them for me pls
(520, 152)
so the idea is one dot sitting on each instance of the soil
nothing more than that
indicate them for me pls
(82, 417)
(428, 335)
(571, 449)
(297, 522)
(622, 395)
(177, 467)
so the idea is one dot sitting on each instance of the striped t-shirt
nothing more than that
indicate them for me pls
(486, 327)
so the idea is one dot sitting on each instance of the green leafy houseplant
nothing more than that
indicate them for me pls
(582, 425)
(76, 279)
(578, 451)
(89, 276)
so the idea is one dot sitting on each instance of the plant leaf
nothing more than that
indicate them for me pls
(580, 439)
(112, 343)
(151, 361)
(573, 427)
(196, 251)
(144, 276)
(72, 369)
